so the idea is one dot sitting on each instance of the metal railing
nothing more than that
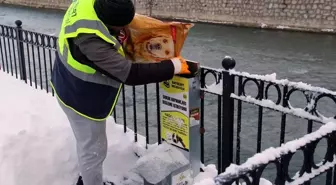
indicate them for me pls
(224, 99)
(252, 170)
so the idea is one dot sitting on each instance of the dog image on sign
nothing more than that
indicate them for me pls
(147, 39)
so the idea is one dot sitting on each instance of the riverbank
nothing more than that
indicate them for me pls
(305, 17)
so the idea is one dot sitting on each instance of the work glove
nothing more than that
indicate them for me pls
(180, 65)
(184, 67)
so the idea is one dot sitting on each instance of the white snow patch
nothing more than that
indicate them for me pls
(155, 165)
(209, 181)
(213, 69)
(37, 146)
(282, 27)
(263, 25)
(328, 30)
(215, 88)
(210, 172)
(314, 172)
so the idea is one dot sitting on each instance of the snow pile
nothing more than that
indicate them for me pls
(37, 146)
(157, 164)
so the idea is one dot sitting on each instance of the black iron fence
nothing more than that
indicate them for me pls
(227, 136)
(315, 128)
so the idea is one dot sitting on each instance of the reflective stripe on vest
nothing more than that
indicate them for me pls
(86, 26)
(94, 25)
(82, 18)
(96, 77)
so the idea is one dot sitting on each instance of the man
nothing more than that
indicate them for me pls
(89, 71)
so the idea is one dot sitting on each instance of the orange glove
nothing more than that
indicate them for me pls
(180, 65)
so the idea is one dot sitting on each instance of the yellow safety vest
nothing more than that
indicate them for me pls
(82, 18)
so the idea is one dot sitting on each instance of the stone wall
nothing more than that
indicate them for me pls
(297, 14)
(313, 15)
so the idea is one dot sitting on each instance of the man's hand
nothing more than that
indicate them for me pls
(180, 65)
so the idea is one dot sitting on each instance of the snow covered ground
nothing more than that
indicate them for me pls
(37, 145)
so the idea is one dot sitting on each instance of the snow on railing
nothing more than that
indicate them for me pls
(271, 78)
(234, 172)
(294, 111)
(312, 93)
(314, 172)
(217, 88)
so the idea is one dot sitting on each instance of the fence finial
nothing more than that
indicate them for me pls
(228, 63)
(18, 23)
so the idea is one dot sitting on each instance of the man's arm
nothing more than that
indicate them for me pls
(106, 57)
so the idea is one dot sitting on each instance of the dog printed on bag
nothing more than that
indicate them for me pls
(147, 39)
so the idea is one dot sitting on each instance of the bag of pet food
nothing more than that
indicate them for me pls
(147, 39)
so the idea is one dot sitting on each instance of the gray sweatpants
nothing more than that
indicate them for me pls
(91, 143)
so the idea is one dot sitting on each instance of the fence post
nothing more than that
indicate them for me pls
(227, 114)
(21, 57)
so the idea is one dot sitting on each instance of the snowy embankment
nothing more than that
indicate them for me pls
(37, 146)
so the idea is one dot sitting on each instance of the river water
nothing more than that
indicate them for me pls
(295, 56)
